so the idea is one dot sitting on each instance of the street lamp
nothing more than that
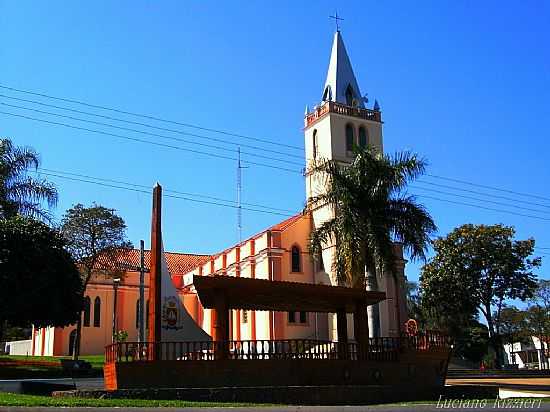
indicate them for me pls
(116, 282)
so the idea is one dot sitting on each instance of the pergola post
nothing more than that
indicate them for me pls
(342, 329)
(361, 330)
(221, 327)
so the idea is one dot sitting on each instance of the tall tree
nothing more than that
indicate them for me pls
(373, 210)
(538, 317)
(537, 324)
(478, 267)
(40, 281)
(92, 233)
(512, 325)
(413, 300)
(20, 193)
(541, 296)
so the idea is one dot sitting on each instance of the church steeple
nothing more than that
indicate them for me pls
(341, 85)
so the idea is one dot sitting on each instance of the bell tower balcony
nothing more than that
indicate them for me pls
(339, 108)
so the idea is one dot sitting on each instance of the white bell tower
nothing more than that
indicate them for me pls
(340, 121)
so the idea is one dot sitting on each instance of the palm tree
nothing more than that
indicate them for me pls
(372, 212)
(19, 193)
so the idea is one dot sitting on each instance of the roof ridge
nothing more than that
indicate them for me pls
(133, 249)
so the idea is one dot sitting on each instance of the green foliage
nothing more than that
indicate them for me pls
(19, 193)
(94, 236)
(542, 294)
(40, 282)
(373, 211)
(537, 317)
(478, 267)
(414, 309)
(120, 336)
(512, 326)
(472, 342)
(92, 232)
(16, 333)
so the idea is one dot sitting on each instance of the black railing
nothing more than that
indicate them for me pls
(378, 349)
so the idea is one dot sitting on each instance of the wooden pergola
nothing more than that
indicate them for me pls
(223, 293)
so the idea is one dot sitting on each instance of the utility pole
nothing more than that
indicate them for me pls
(116, 283)
(142, 292)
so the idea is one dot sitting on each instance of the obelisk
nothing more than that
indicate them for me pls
(155, 276)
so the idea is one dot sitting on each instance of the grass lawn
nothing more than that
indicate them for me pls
(13, 399)
(21, 367)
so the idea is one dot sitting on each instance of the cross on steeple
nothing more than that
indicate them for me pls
(336, 18)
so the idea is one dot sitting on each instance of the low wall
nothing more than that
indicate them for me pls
(296, 395)
(18, 347)
(415, 369)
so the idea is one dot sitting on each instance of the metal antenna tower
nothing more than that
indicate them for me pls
(239, 189)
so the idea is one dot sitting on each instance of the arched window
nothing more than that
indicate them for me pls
(97, 312)
(327, 94)
(86, 320)
(349, 96)
(315, 144)
(362, 137)
(350, 137)
(296, 259)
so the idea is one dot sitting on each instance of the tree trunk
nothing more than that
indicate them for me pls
(499, 353)
(494, 338)
(373, 310)
(76, 348)
(2, 322)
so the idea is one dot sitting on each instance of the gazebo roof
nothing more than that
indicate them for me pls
(260, 294)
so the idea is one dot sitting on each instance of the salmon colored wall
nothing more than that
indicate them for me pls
(190, 303)
(297, 234)
(267, 256)
(58, 341)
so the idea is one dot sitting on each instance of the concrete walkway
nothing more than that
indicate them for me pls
(14, 385)
(535, 385)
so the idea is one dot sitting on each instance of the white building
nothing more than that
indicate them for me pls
(528, 355)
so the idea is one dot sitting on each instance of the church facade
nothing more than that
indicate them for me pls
(280, 253)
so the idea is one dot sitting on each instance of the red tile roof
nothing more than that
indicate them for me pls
(129, 259)
(286, 223)
(178, 263)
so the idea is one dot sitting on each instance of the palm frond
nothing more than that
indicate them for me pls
(20, 193)
(16, 160)
(37, 190)
(371, 213)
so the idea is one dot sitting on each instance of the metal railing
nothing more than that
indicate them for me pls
(377, 349)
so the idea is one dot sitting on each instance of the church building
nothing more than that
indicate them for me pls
(280, 253)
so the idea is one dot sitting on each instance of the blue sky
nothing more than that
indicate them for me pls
(464, 84)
